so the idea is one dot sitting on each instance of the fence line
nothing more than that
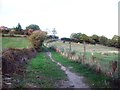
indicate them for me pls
(110, 69)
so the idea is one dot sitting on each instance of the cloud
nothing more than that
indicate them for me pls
(67, 16)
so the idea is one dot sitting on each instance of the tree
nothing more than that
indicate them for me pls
(103, 40)
(75, 35)
(92, 41)
(115, 41)
(33, 27)
(95, 38)
(54, 32)
(84, 38)
(18, 28)
(109, 42)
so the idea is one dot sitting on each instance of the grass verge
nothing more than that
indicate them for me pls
(95, 80)
(41, 72)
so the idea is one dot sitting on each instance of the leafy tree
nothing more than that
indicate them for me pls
(95, 38)
(91, 41)
(115, 37)
(103, 40)
(18, 28)
(84, 37)
(115, 41)
(109, 42)
(75, 35)
(33, 27)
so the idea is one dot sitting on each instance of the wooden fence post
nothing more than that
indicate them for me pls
(84, 52)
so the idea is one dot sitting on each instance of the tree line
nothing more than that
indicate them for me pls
(94, 39)
(18, 29)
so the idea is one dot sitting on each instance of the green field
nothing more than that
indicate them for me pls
(14, 42)
(78, 47)
(103, 55)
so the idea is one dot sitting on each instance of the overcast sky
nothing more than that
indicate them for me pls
(67, 16)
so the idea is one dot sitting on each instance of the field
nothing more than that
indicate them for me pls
(78, 47)
(103, 55)
(41, 72)
(14, 42)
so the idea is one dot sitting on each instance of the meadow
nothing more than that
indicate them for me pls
(78, 47)
(14, 42)
(96, 55)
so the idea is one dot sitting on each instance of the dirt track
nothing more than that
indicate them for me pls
(74, 81)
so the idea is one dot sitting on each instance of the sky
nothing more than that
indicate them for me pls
(66, 16)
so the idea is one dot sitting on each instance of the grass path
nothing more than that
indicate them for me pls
(74, 80)
(41, 72)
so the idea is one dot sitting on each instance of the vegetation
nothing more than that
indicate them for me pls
(78, 47)
(96, 56)
(18, 28)
(95, 39)
(41, 72)
(37, 38)
(33, 27)
(96, 80)
(49, 37)
(14, 59)
(54, 32)
(15, 42)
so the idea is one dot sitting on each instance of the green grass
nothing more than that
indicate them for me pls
(15, 42)
(104, 60)
(94, 79)
(80, 48)
(0, 43)
(42, 73)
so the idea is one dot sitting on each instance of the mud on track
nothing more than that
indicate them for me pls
(74, 81)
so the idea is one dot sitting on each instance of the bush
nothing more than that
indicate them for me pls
(37, 38)
(14, 59)
(4, 31)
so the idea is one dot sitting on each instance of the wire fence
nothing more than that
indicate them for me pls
(106, 63)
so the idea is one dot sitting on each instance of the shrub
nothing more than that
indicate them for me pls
(4, 31)
(14, 59)
(37, 38)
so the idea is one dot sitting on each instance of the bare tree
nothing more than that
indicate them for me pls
(54, 32)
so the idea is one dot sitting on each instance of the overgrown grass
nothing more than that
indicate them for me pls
(95, 80)
(15, 42)
(80, 47)
(41, 72)
(103, 55)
